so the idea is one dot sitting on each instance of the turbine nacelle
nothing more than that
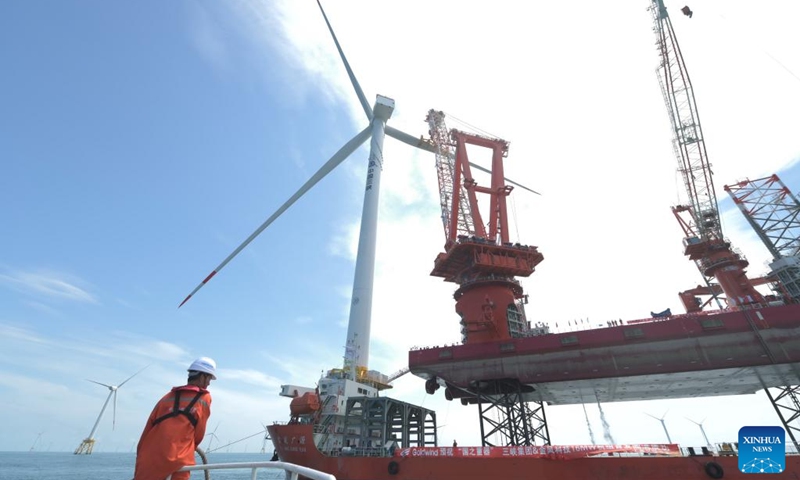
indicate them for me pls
(384, 106)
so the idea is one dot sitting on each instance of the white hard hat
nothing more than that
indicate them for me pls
(204, 365)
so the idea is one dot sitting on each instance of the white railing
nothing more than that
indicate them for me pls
(294, 470)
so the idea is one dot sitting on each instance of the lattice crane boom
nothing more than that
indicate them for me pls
(703, 242)
(688, 142)
(773, 212)
(457, 221)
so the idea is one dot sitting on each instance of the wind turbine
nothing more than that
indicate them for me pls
(703, 430)
(358, 330)
(213, 436)
(266, 437)
(669, 440)
(33, 445)
(87, 444)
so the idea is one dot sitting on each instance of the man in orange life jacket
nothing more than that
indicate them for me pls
(176, 426)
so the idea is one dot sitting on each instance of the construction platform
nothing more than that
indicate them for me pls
(698, 355)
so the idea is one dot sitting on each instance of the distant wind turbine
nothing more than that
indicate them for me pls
(86, 446)
(266, 437)
(36, 441)
(669, 440)
(212, 435)
(703, 430)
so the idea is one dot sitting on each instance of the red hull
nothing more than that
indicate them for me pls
(294, 444)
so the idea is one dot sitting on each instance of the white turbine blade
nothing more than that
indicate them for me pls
(114, 415)
(424, 145)
(409, 139)
(103, 384)
(356, 86)
(334, 161)
(473, 165)
(695, 422)
(126, 380)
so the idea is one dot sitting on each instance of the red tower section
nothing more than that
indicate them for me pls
(478, 256)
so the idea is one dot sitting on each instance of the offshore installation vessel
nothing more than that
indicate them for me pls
(511, 369)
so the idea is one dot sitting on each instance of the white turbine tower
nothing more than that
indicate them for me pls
(212, 436)
(703, 431)
(36, 441)
(669, 440)
(87, 444)
(266, 438)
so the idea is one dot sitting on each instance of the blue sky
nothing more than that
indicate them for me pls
(142, 143)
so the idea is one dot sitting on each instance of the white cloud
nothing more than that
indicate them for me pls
(250, 377)
(344, 241)
(47, 285)
(31, 385)
(37, 370)
(207, 37)
(280, 27)
(43, 308)
(18, 333)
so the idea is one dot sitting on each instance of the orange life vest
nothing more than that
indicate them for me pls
(175, 427)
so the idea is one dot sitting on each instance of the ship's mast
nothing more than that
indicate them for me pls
(699, 218)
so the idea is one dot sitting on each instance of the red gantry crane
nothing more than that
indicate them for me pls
(480, 258)
(703, 240)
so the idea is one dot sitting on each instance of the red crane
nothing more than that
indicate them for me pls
(703, 240)
(479, 257)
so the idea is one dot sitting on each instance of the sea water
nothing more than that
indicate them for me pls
(112, 466)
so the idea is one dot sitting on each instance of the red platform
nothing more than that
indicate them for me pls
(712, 353)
